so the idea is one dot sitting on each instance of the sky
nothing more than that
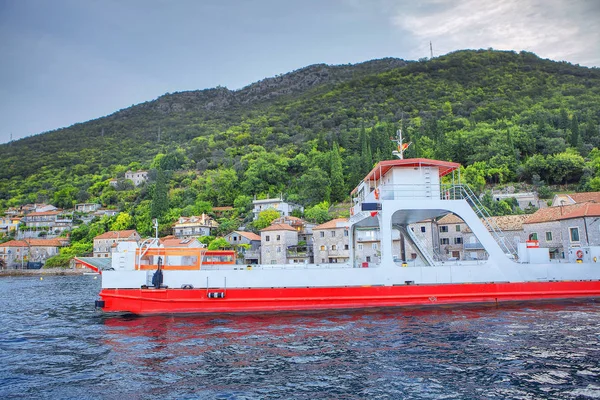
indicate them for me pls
(69, 61)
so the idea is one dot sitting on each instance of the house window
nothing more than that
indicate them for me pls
(423, 229)
(333, 247)
(272, 261)
(278, 249)
(322, 234)
(322, 248)
(444, 228)
(360, 246)
(457, 228)
(346, 232)
(267, 238)
(278, 237)
(574, 233)
(332, 233)
(444, 241)
(533, 236)
(548, 236)
(345, 247)
(458, 240)
(374, 246)
(368, 258)
(323, 260)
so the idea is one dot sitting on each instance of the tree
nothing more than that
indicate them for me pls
(319, 213)
(160, 201)
(218, 244)
(122, 222)
(338, 188)
(265, 218)
(314, 186)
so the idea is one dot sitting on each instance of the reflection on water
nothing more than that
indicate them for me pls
(58, 347)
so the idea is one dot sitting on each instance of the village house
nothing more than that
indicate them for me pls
(194, 226)
(574, 198)
(282, 207)
(103, 244)
(580, 227)
(53, 223)
(249, 255)
(545, 227)
(173, 242)
(524, 199)
(331, 241)
(275, 241)
(87, 207)
(137, 177)
(450, 229)
(9, 224)
(17, 253)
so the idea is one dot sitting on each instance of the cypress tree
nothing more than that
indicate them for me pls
(160, 200)
(338, 191)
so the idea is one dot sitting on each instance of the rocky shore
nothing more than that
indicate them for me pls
(43, 272)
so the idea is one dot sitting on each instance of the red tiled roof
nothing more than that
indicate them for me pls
(177, 242)
(116, 234)
(585, 197)
(278, 227)
(45, 242)
(586, 210)
(33, 214)
(450, 219)
(226, 208)
(331, 224)
(14, 243)
(553, 213)
(248, 235)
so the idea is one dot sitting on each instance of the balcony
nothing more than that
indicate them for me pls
(299, 251)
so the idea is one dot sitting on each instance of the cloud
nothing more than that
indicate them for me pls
(553, 29)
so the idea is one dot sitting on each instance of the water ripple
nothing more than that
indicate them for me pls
(54, 345)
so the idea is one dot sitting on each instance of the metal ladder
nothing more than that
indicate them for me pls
(420, 246)
(464, 192)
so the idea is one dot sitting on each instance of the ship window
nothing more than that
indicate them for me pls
(444, 228)
(458, 240)
(548, 236)
(422, 229)
(322, 234)
(574, 232)
(457, 228)
(444, 241)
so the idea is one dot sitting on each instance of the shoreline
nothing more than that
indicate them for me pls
(43, 272)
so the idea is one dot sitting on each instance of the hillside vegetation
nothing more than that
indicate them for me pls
(312, 134)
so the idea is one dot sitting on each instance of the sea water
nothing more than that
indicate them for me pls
(54, 345)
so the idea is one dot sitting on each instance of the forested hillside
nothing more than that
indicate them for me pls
(313, 133)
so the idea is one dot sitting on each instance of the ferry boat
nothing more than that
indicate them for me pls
(396, 193)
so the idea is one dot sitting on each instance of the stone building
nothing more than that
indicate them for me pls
(194, 226)
(103, 244)
(137, 177)
(275, 241)
(245, 256)
(574, 198)
(331, 241)
(545, 227)
(282, 207)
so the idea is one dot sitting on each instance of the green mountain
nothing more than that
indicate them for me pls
(505, 116)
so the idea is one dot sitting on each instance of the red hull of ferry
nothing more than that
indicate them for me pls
(176, 301)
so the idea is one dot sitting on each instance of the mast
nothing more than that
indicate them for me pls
(401, 147)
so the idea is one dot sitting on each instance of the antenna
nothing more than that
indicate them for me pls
(431, 49)
(401, 146)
